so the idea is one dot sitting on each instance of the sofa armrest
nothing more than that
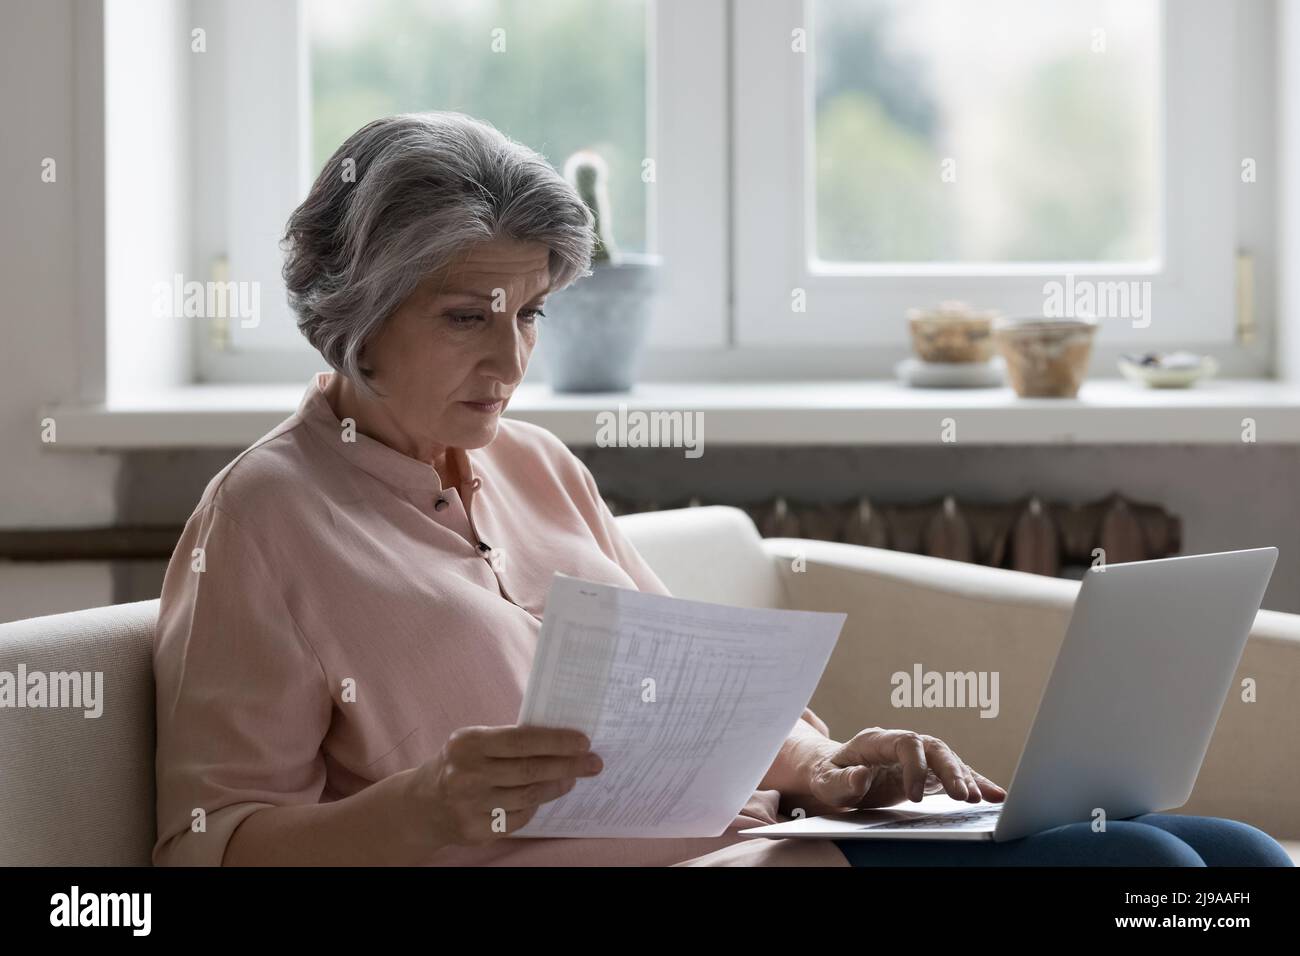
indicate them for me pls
(906, 610)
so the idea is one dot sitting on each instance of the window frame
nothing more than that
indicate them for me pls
(686, 111)
(1195, 283)
(716, 347)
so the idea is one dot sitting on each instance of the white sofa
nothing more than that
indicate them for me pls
(77, 791)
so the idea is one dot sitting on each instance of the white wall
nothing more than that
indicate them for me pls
(38, 273)
(120, 197)
(38, 588)
(41, 487)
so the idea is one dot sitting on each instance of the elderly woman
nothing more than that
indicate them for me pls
(348, 621)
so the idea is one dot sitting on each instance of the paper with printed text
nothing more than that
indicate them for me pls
(686, 702)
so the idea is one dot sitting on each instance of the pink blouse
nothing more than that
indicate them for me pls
(325, 623)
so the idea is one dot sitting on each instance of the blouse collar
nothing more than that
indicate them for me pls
(374, 457)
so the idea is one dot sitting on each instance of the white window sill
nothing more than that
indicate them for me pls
(779, 413)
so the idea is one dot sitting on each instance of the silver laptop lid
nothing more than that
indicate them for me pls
(1145, 668)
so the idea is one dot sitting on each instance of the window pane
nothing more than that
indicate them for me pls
(986, 130)
(559, 76)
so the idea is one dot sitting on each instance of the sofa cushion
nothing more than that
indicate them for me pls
(711, 553)
(79, 790)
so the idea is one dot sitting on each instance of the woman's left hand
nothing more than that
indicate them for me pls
(879, 768)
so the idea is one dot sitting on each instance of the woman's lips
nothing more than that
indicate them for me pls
(486, 406)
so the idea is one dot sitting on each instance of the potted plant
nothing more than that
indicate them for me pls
(595, 327)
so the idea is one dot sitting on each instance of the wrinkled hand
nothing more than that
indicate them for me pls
(879, 768)
(511, 770)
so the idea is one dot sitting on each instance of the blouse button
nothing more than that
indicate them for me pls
(440, 504)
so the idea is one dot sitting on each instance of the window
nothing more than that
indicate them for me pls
(818, 166)
(558, 76)
(528, 68)
(1006, 131)
(911, 151)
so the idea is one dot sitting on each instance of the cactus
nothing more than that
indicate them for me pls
(588, 173)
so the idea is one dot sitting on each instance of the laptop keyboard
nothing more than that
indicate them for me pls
(977, 818)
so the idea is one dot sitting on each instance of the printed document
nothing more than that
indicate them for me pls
(687, 703)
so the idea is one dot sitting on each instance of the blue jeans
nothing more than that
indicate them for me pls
(1152, 839)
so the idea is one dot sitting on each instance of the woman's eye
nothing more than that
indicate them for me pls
(465, 320)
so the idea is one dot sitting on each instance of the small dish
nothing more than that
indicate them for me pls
(915, 373)
(1167, 369)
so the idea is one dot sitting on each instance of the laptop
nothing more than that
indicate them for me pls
(1124, 722)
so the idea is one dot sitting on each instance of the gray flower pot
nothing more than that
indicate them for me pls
(593, 333)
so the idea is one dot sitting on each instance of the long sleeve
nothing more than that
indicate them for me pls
(243, 703)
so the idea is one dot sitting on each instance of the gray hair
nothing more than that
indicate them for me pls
(398, 202)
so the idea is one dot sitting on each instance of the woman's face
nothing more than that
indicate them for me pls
(445, 363)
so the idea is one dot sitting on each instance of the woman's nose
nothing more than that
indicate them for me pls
(507, 355)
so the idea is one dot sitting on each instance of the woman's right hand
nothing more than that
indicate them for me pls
(487, 782)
